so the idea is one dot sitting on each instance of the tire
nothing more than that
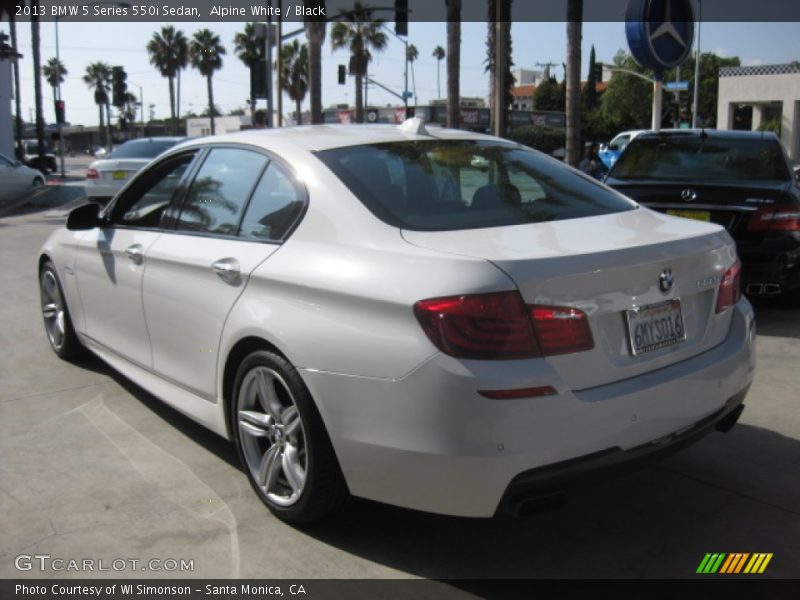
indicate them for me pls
(282, 442)
(57, 321)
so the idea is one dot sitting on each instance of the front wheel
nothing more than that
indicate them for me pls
(57, 322)
(282, 441)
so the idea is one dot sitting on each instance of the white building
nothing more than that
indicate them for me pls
(527, 77)
(769, 89)
(201, 126)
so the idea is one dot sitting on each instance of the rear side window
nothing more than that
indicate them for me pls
(142, 149)
(218, 195)
(442, 185)
(697, 158)
(274, 207)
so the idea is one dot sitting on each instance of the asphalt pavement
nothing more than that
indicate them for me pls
(92, 467)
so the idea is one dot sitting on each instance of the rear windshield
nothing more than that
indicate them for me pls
(441, 185)
(142, 149)
(695, 158)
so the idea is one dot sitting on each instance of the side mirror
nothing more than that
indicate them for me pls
(84, 217)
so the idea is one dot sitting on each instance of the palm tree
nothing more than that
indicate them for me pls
(129, 106)
(438, 54)
(17, 93)
(412, 54)
(359, 32)
(250, 50)
(499, 75)
(98, 78)
(294, 76)
(37, 81)
(573, 80)
(315, 27)
(205, 54)
(453, 62)
(54, 72)
(168, 51)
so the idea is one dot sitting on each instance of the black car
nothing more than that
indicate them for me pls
(741, 180)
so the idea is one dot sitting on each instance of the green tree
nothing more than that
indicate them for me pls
(205, 54)
(294, 78)
(98, 78)
(589, 95)
(54, 72)
(361, 33)
(315, 26)
(250, 50)
(168, 50)
(548, 95)
(628, 100)
(412, 54)
(438, 54)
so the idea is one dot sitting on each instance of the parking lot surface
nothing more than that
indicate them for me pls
(92, 467)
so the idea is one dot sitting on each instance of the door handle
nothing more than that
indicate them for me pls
(227, 269)
(134, 252)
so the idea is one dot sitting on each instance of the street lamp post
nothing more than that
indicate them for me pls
(405, 56)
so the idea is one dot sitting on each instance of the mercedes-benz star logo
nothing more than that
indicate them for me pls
(689, 195)
(667, 28)
(665, 281)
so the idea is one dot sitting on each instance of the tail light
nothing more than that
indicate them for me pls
(784, 217)
(499, 326)
(730, 289)
(92, 174)
(481, 326)
(561, 330)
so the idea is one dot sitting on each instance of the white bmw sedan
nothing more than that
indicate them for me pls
(430, 318)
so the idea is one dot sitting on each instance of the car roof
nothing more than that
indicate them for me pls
(325, 137)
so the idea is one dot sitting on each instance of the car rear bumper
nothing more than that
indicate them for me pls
(429, 441)
(775, 262)
(102, 189)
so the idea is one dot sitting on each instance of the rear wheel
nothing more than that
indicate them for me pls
(282, 442)
(57, 322)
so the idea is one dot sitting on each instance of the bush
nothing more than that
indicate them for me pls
(544, 139)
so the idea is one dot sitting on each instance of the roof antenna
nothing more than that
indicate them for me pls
(414, 126)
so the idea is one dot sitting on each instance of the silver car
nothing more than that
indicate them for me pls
(110, 172)
(17, 179)
(435, 319)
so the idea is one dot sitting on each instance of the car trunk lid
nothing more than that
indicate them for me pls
(605, 266)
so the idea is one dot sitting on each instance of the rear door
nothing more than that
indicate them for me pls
(229, 222)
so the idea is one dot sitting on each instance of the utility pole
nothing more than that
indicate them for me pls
(696, 98)
(500, 67)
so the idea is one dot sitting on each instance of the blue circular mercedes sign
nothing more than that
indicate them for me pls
(659, 32)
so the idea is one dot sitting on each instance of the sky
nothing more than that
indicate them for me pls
(124, 44)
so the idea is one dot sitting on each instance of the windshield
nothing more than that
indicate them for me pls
(695, 158)
(442, 185)
(142, 148)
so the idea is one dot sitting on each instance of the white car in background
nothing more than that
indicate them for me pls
(106, 176)
(436, 319)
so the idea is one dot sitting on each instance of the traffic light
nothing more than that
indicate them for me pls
(119, 87)
(60, 112)
(598, 72)
(258, 79)
(342, 74)
(401, 17)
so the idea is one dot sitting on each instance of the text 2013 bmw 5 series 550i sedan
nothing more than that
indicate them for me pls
(434, 319)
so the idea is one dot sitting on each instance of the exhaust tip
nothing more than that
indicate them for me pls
(531, 505)
(772, 289)
(754, 289)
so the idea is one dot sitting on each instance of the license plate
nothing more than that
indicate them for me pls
(119, 175)
(698, 215)
(655, 326)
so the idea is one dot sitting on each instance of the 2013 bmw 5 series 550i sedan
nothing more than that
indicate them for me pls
(434, 319)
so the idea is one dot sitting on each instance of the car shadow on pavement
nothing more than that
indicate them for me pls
(734, 492)
(777, 317)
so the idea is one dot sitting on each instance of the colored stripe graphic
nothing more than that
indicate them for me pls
(733, 563)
